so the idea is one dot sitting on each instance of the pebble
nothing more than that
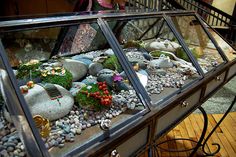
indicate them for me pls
(10, 149)
(61, 145)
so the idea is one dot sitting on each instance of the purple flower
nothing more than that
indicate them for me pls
(117, 78)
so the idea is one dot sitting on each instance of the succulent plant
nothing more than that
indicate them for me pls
(94, 96)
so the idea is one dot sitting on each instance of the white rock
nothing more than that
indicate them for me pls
(77, 68)
(40, 103)
(109, 52)
(143, 79)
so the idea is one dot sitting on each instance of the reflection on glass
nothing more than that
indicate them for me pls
(227, 49)
(74, 98)
(199, 43)
(160, 63)
(22, 46)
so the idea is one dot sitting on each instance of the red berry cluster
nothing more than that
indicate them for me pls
(104, 96)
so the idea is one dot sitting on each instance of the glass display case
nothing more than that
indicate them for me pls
(76, 81)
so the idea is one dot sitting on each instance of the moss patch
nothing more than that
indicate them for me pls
(64, 81)
(112, 63)
(24, 70)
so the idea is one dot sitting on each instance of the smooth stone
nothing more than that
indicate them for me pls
(10, 149)
(77, 68)
(78, 131)
(1, 126)
(21, 154)
(165, 45)
(61, 145)
(67, 138)
(147, 56)
(87, 62)
(83, 56)
(143, 72)
(67, 129)
(106, 75)
(2, 147)
(142, 78)
(4, 153)
(162, 62)
(94, 68)
(76, 87)
(90, 80)
(40, 103)
(109, 52)
(121, 86)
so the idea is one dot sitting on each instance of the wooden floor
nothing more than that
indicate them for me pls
(191, 128)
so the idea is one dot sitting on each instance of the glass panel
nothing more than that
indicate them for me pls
(227, 49)
(13, 126)
(22, 46)
(161, 64)
(77, 95)
(198, 42)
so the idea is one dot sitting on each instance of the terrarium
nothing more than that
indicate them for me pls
(73, 84)
(75, 81)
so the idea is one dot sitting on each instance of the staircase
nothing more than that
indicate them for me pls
(224, 23)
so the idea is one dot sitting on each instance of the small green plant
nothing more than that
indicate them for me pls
(133, 43)
(27, 69)
(182, 54)
(62, 80)
(94, 96)
(112, 63)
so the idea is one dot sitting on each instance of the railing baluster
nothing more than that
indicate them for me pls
(217, 18)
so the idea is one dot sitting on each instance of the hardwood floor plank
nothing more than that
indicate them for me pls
(192, 126)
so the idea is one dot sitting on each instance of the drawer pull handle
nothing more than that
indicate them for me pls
(218, 78)
(184, 104)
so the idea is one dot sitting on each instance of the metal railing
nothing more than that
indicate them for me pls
(213, 16)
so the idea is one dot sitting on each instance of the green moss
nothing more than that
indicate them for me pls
(24, 71)
(182, 54)
(112, 63)
(86, 101)
(64, 81)
(133, 43)
(157, 53)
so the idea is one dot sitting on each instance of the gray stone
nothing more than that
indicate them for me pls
(87, 62)
(136, 57)
(22, 154)
(90, 80)
(106, 75)
(162, 62)
(40, 103)
(94, 68)
(61, 145)
(4, 153)
(165, 45)
(83, 56)
(1, 125)
(77, 68)
(10, 149)
(76, 86)
(109, 52)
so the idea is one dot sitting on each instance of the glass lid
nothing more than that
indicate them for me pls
(74, 85)
(229, 51)
(160, 62)
(198, 42)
